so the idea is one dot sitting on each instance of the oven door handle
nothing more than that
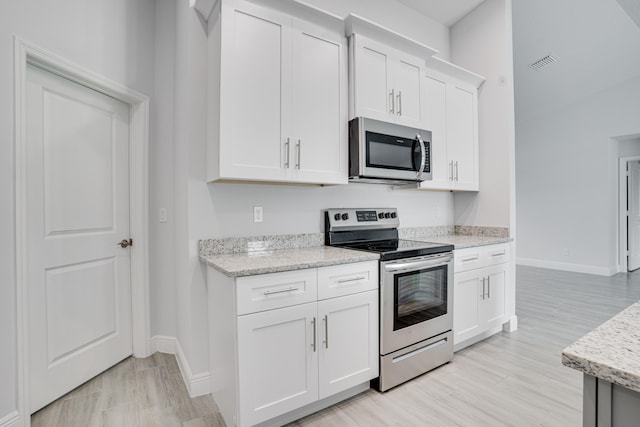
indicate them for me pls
(418, 264)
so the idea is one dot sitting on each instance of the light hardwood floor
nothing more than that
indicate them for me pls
(510, 379)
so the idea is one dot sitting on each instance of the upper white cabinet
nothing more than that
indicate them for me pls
(451, 109)
(386, 83)
(277, 97)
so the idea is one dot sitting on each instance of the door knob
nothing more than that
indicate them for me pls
(125, 243)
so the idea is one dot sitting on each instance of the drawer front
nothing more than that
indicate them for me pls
(276, 290)
(345, 279)
(467, 259)
(496, 254)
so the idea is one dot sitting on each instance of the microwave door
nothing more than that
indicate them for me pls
(393, 157)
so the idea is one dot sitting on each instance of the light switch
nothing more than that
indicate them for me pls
(163, 215)
(257, 214)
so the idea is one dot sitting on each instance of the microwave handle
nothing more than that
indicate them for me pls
(423, 156)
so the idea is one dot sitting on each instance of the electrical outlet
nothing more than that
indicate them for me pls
(565, 252)
(257, 214)
(162, 216)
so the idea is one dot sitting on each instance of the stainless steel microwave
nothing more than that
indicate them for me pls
(387, 153)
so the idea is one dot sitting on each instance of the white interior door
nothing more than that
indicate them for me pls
(633, 215)
(79, 290)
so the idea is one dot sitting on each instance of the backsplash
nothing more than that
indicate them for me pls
(472, 230)
(230, 245)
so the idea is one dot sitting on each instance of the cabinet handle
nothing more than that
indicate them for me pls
(470, 259)
(451, 170)
(399, 99)
(326, 331)
(355, 279)
(313, 323)
(298, 150)
(392, 101)
(456, 170)
(281, 291)
(286, 151)
(488, 287)
(483, 288)
(499, 253)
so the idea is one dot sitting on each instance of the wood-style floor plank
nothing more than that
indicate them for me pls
(510, 379)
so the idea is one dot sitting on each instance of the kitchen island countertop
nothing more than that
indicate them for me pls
(610, 352)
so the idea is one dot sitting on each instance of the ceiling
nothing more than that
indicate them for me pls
(596, 42)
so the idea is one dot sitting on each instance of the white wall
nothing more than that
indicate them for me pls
(481, 42)
(161, 235)
(567, 172)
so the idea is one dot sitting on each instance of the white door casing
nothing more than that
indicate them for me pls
(27, 53)
(77, 169)
(633, 215)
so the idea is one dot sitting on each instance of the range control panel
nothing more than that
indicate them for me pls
(352, 219)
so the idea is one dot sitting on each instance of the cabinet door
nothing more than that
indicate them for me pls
(435, 111)
(372, 80)
(277, 362)
(494, 304)
(467, 295)
(255, 94)
(407, 82)
(462, 136)
(349, 341)
(319, 136)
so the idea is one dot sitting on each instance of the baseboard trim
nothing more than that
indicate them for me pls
(11, 420)
(198, 384)
(163, 344)
(565, 266)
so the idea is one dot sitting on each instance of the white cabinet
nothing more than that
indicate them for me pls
(291, 338)
(451, 110)
(386, 83)
(277, 108)
(479, 296)
(277, 363)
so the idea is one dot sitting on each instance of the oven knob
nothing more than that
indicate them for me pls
(345, 216)
(381, 215)
(393, 214)
(337, 217)
(387, 215)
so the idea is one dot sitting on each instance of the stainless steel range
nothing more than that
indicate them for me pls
(416, 291)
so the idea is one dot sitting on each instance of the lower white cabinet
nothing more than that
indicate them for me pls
(479, 296)
(277, 359)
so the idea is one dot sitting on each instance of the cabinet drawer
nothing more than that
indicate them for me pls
(496, 254)
(347, 279)
(467, 259)
(275, 290)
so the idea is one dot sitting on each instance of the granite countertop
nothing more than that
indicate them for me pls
(460, 241)
(273, 261)
(610, 352)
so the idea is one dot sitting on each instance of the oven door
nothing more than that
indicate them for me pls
(416, 300)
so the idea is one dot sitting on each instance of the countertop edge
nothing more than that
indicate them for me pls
(601, 371)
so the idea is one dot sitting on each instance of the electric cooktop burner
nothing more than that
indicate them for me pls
(374, 230)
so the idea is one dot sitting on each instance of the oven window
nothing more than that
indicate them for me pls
(419, 296)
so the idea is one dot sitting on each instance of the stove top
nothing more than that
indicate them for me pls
(398, 248)
(374, 230)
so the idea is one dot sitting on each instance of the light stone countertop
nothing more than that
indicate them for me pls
(460, 241)
(610, 352)
(261, 262)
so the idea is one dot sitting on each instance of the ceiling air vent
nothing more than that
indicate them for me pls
(543, 62)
